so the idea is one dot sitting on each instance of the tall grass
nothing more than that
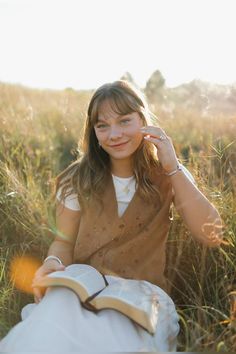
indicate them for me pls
(39, 135)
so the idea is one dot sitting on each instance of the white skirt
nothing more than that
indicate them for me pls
(60, 324)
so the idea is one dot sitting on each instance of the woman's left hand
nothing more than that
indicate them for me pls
(165, 149)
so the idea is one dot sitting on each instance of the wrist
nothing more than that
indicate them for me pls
(174, 171)
(53, 258)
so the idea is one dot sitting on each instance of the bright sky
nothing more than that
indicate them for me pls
(85, 43)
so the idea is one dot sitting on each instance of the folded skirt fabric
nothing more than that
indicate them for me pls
(59, 323)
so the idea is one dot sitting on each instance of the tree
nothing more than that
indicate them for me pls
(155, 86)
(128, 77)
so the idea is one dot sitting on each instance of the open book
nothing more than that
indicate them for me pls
(134, 298)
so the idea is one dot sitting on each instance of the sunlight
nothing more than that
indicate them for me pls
(82, 44)
(22, 271)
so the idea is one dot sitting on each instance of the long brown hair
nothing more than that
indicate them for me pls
(87, 177)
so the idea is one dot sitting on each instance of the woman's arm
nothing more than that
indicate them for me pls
(67, 224)
(199, 215)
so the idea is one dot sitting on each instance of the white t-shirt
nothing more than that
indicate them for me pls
(124, 188)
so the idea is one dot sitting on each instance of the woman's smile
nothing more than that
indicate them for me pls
(120, 145)
(118, 135)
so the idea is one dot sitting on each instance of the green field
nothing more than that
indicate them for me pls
(39, 135)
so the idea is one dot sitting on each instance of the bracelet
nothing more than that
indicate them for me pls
(179, 168)
(52, 257)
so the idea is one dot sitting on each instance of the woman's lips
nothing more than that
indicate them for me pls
(118, 145)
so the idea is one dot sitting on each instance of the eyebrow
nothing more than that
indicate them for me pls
(119, 117)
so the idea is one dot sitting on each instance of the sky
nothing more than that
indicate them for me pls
(84, 43)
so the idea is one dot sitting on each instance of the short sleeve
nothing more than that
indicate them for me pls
(188, 174)
(70, 202)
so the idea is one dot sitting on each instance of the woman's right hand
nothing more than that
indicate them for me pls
(46, 268)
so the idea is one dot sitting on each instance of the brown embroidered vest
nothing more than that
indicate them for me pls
(131, 246)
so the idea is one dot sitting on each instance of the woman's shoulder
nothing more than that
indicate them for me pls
(65, 186)
(70, 200)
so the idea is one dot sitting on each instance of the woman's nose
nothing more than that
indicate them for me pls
(115, 132)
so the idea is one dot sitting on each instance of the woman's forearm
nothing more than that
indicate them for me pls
(199, 215)
(62, 250)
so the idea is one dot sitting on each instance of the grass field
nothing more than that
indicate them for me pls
(39, 135)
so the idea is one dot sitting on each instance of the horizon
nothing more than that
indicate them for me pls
(25, 86)
(49, 44)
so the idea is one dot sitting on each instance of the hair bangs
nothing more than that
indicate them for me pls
(120, 103)
(123, 104)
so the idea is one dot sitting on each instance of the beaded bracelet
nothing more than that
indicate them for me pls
(52, 257)
(179, 168)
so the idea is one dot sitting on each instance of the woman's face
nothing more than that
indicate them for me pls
(118, 135)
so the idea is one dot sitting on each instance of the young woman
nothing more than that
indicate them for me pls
(113, 213)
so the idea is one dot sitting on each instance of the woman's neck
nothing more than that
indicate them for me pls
(121, 168)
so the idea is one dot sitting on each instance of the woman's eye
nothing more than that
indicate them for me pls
(101, 126)
(125, 121)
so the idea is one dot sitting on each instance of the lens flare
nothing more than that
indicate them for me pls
(22, 270)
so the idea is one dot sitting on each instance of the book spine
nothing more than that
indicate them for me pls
(89, 306)
(105, 279)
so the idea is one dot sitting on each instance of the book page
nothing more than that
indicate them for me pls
(135, 292)
(82, 274)
(135, 299)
